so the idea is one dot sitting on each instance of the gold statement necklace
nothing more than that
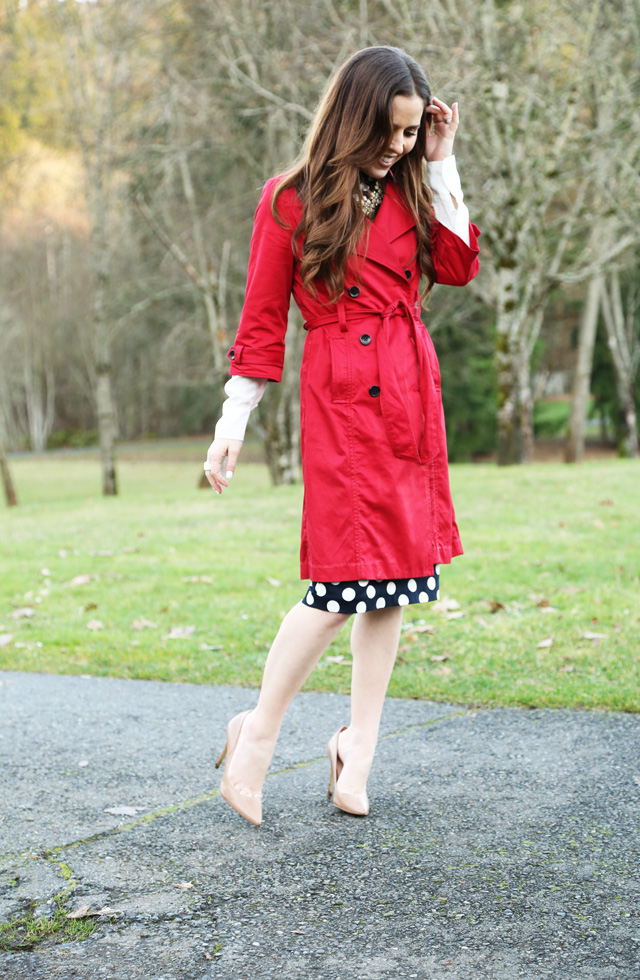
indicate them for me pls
(371, 194)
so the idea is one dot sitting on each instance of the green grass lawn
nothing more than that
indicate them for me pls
(552, 554)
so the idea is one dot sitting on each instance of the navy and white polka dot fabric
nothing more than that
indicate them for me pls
(365, 594)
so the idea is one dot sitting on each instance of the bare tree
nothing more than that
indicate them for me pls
(98, 43)
(523, 75)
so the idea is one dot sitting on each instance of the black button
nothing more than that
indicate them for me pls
(353, 292)
(374, 391)
(407, 273)
(232, 354)
(365, 339)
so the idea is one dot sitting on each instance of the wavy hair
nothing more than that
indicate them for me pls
(353, 124)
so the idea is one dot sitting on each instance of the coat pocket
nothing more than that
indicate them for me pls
(434, 438)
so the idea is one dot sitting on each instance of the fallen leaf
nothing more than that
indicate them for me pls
(588, 635)
(90, 605)
(124, 811)
(566, 669)
(455, 615)
(80, 913)
(299, 932)
(180, 632)
(184, 885)
(25, 613)
(439, 658)
(45, 572)
(83, 763)
(199, 578)
(80, 580)
(5, 639)
(443, 670)
(275, 582)
(101, 554)
(545, 643)
(426, 628)
(598, 523)
(543, 603)
(143, 624)
(495, 606)
(339, 659)
(606, 503)
(207, 956)
(95, 624)
(85, 912)
(129, 550)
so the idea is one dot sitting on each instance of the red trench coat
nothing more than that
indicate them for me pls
(377, 503)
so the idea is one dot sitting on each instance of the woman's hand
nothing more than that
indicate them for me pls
(445, 122)
(216, 452)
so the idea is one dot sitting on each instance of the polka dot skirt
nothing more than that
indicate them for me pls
(364, 594)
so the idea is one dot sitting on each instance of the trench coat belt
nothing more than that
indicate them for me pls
(405, 435)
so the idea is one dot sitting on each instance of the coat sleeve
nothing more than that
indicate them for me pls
(455, 263)
(258, 351)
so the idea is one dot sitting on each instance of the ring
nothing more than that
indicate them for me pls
(449, 119)
(207, 467)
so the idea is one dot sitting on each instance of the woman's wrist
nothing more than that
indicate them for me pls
(441, 152)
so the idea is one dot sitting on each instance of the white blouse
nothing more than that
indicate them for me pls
(243, 394)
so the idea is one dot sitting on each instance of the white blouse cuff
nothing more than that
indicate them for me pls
(444, 181)
(243, 396)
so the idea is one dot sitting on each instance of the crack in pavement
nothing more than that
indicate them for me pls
(187, 804)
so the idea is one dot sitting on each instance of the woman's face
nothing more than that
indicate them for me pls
(406, 116)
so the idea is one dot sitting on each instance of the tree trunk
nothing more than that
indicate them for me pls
(508, 436)
(614, 320)
(206, 281)
(525, 404)
(105, 408)
(574, 448)
(509, 441)
(7, 482)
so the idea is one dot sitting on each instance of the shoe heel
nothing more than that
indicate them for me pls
(222, 755)
(332, 752)
(331, 784)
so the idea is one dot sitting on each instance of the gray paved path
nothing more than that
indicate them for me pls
(501, 843)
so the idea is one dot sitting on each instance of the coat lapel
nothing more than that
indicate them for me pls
(392, 220)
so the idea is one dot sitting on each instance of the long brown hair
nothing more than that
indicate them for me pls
(353, 124)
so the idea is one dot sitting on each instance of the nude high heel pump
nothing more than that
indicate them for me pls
(354, 803)
(248, 805)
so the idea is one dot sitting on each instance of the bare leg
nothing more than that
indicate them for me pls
(374, 644)
(304, 635)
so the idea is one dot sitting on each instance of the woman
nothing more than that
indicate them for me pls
(349, 231)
